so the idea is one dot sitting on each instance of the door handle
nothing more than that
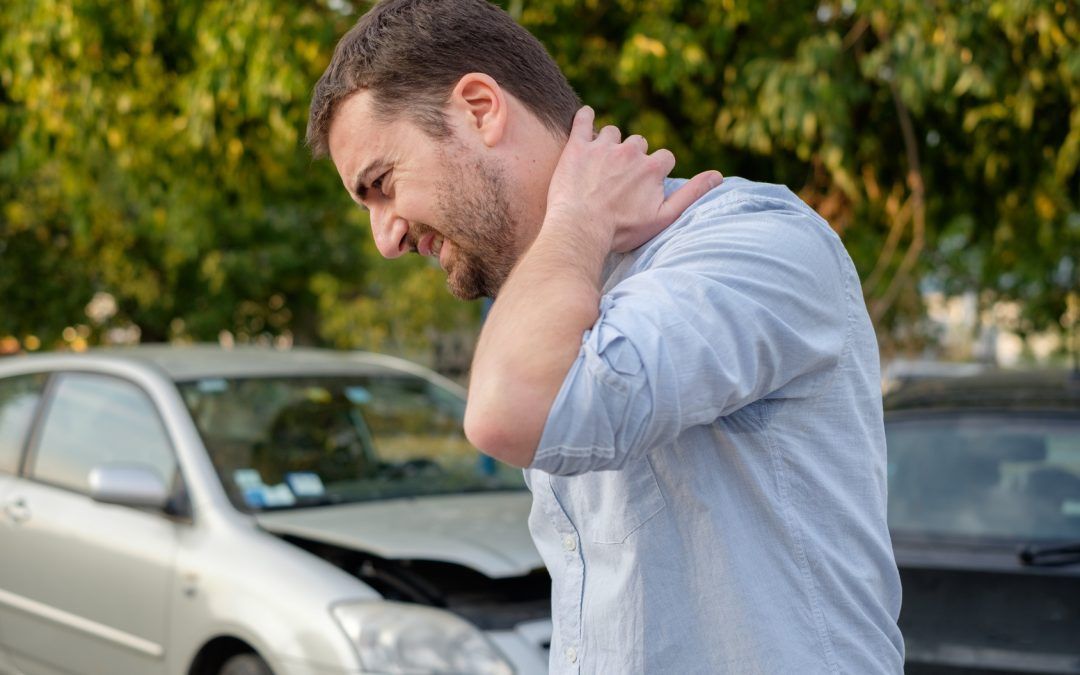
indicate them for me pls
(17, 511)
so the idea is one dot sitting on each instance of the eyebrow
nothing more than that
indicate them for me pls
(363, 176)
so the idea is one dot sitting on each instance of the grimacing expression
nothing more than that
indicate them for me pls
(433, 196)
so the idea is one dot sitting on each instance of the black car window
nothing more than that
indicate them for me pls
(999, 476)
(94, 420)
(19, 397)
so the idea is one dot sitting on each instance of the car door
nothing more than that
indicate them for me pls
(19, 399)
(86, 585)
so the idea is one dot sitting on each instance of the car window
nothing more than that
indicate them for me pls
(985, 476)
(96, 419)
(297, 441)
(19, 397)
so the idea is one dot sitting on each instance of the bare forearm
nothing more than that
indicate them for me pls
(531, 338)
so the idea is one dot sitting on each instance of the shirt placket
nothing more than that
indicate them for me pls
(567, 604)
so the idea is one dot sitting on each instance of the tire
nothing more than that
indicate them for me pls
(245, 664)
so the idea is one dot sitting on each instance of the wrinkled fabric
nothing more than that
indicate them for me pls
(710, 486)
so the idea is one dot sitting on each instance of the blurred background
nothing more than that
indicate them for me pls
(154, 185)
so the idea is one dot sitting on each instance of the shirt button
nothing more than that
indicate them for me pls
(569, 543)
(571, 655)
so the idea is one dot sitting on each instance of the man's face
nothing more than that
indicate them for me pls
(437, 198)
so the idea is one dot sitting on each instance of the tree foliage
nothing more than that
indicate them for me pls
(152, 150)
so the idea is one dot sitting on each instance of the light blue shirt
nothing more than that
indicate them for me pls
(710, 487)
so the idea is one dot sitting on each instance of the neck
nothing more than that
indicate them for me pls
(533, 173)
(530, 152)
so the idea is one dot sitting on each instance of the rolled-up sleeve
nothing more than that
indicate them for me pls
(751, 305)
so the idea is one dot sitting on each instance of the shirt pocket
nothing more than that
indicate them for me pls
(609, 506)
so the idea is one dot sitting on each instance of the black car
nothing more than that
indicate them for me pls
(984, 510)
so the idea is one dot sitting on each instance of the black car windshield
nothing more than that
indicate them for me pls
(985, 476)
(291, 442)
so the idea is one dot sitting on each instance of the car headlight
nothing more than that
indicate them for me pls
(393, 637)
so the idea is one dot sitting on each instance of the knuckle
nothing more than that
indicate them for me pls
(610, 130)
(661, 157)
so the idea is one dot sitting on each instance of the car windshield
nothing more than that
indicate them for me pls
(983, 476)
(291, 442)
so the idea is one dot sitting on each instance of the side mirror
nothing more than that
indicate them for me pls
(128, 486)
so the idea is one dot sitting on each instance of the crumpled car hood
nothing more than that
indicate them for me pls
(487, 532)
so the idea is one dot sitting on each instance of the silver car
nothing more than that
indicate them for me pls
(199, 511)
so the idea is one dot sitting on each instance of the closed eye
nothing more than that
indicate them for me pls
(377, 184)
(362, 190)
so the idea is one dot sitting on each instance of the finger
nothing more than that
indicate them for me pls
(664, 160)
(609, 134)
(639, 141)
(582, 128)
(691, 191)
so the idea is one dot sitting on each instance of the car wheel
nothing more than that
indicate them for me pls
(245, 664)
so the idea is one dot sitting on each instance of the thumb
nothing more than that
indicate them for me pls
(690, 192)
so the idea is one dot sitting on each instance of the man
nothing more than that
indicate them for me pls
(686, 369)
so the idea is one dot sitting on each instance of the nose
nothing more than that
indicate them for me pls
(390, 232)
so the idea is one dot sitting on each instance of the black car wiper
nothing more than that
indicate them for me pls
(1051, 556)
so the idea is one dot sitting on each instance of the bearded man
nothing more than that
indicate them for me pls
(685, 369)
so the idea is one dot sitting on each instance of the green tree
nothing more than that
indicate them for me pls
(152, 150)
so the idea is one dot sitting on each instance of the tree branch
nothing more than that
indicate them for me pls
(918, 208)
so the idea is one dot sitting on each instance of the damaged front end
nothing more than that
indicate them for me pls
(513, 613)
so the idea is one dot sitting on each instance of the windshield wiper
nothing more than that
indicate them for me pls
(1051, 556)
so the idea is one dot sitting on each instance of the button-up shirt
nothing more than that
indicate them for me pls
(710, 486)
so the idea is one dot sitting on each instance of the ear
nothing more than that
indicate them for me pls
(479, 103)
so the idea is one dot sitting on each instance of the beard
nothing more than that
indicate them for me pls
(478, 223)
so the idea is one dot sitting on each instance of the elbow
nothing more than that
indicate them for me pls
(499, 434)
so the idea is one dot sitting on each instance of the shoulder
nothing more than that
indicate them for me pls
(740, 194)
(746, 220)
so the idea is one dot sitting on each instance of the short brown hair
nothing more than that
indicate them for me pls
(411, 53)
